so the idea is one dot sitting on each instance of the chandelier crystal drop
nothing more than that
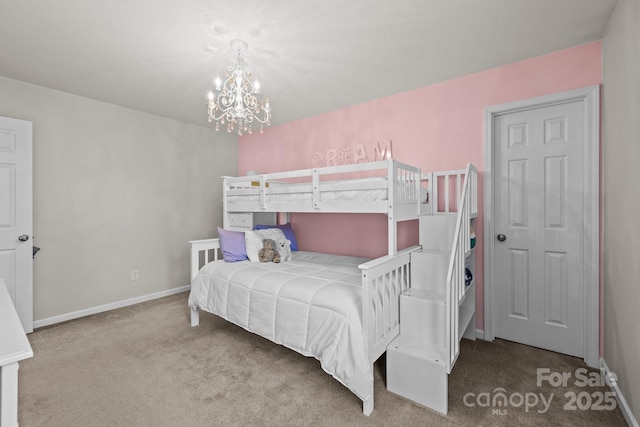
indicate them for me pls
(237, 102)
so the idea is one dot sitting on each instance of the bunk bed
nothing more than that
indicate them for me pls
(296, 303)
(388, 187)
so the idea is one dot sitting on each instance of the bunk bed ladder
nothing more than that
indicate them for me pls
(439, 308)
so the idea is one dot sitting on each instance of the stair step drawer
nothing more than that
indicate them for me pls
(417, 372)
(436, 231)
(429, 270)
(422, 317)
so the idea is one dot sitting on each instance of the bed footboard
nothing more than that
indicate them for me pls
(383, 280)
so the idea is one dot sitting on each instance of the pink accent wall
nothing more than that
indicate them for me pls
(437, 127)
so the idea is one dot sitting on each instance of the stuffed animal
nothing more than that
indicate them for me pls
(472, 236)
(269, 252)
(284, 249)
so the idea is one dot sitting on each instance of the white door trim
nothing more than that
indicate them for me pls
(591, 97)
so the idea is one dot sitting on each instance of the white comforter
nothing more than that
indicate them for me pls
(311, 304)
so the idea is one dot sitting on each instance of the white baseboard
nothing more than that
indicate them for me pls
(112, 306)
(480, 334)
(622, 403)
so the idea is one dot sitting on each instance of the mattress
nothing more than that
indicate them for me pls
(301, 192)
(311, 304)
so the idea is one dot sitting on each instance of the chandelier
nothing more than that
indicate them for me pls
(238, 103)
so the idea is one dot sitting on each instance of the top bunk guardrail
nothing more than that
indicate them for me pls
(387, 186)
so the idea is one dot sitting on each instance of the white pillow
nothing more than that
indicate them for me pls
(253, 240)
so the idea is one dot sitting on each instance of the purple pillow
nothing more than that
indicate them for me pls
(232, 245)
(287, 229)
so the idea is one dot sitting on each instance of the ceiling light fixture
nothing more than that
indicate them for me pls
(238, 102)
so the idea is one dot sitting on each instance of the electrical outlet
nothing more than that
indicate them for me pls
(135, 273)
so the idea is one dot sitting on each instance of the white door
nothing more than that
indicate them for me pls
(539, 227)
(16, 223)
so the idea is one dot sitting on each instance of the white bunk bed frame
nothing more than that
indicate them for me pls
(383, 279)
(401, 204)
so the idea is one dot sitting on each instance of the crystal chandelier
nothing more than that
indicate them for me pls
(238, 103)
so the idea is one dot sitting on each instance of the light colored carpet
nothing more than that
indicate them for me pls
(145, 366)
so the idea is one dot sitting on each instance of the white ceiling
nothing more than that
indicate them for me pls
(311, 57)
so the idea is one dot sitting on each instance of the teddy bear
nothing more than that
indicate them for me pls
(269, 252)
(284, 249)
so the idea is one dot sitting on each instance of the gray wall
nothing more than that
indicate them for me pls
(621, 177)
(115, 189)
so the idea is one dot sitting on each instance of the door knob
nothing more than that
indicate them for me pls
(23, 238)
(502, 237)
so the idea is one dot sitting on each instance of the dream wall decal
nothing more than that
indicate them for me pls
(350, 154)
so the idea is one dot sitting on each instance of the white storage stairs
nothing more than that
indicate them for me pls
(439, 308)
